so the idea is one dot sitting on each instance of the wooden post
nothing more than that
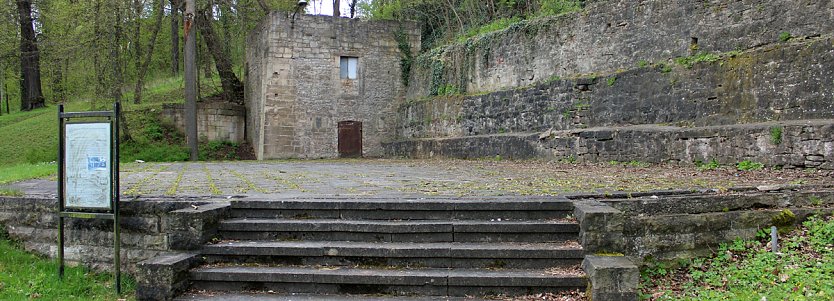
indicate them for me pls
(190, 78)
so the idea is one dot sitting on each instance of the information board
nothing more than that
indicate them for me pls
(88, 166)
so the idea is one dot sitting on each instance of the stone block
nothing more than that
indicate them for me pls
(612, 278)
(164, 277)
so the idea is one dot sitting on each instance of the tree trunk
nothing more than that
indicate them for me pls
(137, 41)
(115, 57)
(96, 52)
(232, 87)
(143, 69)
(175, 37)
(352, 6)
(337, 12)
(31, 96)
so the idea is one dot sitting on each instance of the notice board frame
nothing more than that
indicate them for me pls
(77, 212)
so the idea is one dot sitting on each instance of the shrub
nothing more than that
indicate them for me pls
(748, 165)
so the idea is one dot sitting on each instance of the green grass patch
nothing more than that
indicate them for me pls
(748, 270)
(701, 57)
(26, 171)
(24, 276)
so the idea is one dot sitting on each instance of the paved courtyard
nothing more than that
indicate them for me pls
(381, 177)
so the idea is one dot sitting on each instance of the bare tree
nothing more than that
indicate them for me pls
(337, 12)
(31, 96)
(116, 58)
(175, 36)
(232, 86)
(143, 68)
(352, 6)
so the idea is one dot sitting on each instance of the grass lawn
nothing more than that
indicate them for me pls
(24, 276)
(24, 171)
(748, 270)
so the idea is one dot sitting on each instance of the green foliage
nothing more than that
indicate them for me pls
(558, 7)
(568, 160)
(643, 64)
(448, 90)
(776, 135)
(689, 61)
(496, 25)
(748, 270)
(815, 200)
(665, 68)
(406, 57)
(711, 165)
(28, 277)
(219, 150)
(785, 36)
(612, 80)
(748, 165)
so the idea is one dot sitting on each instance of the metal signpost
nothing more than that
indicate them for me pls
(88, 173)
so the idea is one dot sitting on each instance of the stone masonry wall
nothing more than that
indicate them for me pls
(149, 228)
(217, 121)
(803, 144)
(687, 226)
(608, 35)
(303, 97)
(724, 110)
(776, 82)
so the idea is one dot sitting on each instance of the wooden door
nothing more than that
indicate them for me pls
(350, 139)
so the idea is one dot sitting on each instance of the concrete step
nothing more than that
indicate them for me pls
(429, 282)
(399, 231)
(435, 255)
(407, 209)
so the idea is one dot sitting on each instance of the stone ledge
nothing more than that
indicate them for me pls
(601, 226)
(612, 278)
(165, 276)
(190, 228)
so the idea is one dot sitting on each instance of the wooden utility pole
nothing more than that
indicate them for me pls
(190, 77)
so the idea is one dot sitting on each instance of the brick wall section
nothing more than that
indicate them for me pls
(295, 96)
(217, 121)
(149, 228)
(617, 34)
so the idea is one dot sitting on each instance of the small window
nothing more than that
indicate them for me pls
(348, 67)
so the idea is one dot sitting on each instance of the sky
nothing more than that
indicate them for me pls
(325, 7)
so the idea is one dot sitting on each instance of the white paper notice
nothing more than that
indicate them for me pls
(87, 157)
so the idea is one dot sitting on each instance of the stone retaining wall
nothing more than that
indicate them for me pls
(801, 144)
(149, 227)
(778, 82)
(217, 121)
(613, 34)
(686, 226)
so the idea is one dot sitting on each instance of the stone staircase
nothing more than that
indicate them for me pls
(425, 247)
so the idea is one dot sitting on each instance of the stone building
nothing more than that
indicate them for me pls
(306, 76)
